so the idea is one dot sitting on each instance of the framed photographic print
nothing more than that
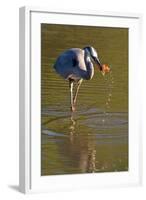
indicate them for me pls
(79, 105)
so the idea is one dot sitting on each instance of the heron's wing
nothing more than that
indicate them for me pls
(70, 63)
(75, 62)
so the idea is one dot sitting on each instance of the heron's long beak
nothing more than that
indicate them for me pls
(96, 60)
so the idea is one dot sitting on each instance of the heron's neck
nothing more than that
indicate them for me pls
(89, 67)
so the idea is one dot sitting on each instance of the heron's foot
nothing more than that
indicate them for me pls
(72, 108)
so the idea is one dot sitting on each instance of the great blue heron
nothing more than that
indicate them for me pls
(76, 65)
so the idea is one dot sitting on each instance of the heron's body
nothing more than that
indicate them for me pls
(76, 65)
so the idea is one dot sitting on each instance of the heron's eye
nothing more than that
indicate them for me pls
(94, 58)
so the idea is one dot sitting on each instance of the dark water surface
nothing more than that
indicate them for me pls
(95, 137)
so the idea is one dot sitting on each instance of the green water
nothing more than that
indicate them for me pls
(95, 137)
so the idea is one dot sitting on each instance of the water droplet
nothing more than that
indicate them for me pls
(103, 120)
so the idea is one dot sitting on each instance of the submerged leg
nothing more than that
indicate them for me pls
(71, 95)
(77, 90)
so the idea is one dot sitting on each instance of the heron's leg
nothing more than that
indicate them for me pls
(71, 94)
(77, 90)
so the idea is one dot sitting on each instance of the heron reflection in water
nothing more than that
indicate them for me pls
(86, 149)
(76, 65)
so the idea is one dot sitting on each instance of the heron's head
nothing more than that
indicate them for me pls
(90, 51)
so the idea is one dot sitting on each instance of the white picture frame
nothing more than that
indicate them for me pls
(30, 178)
